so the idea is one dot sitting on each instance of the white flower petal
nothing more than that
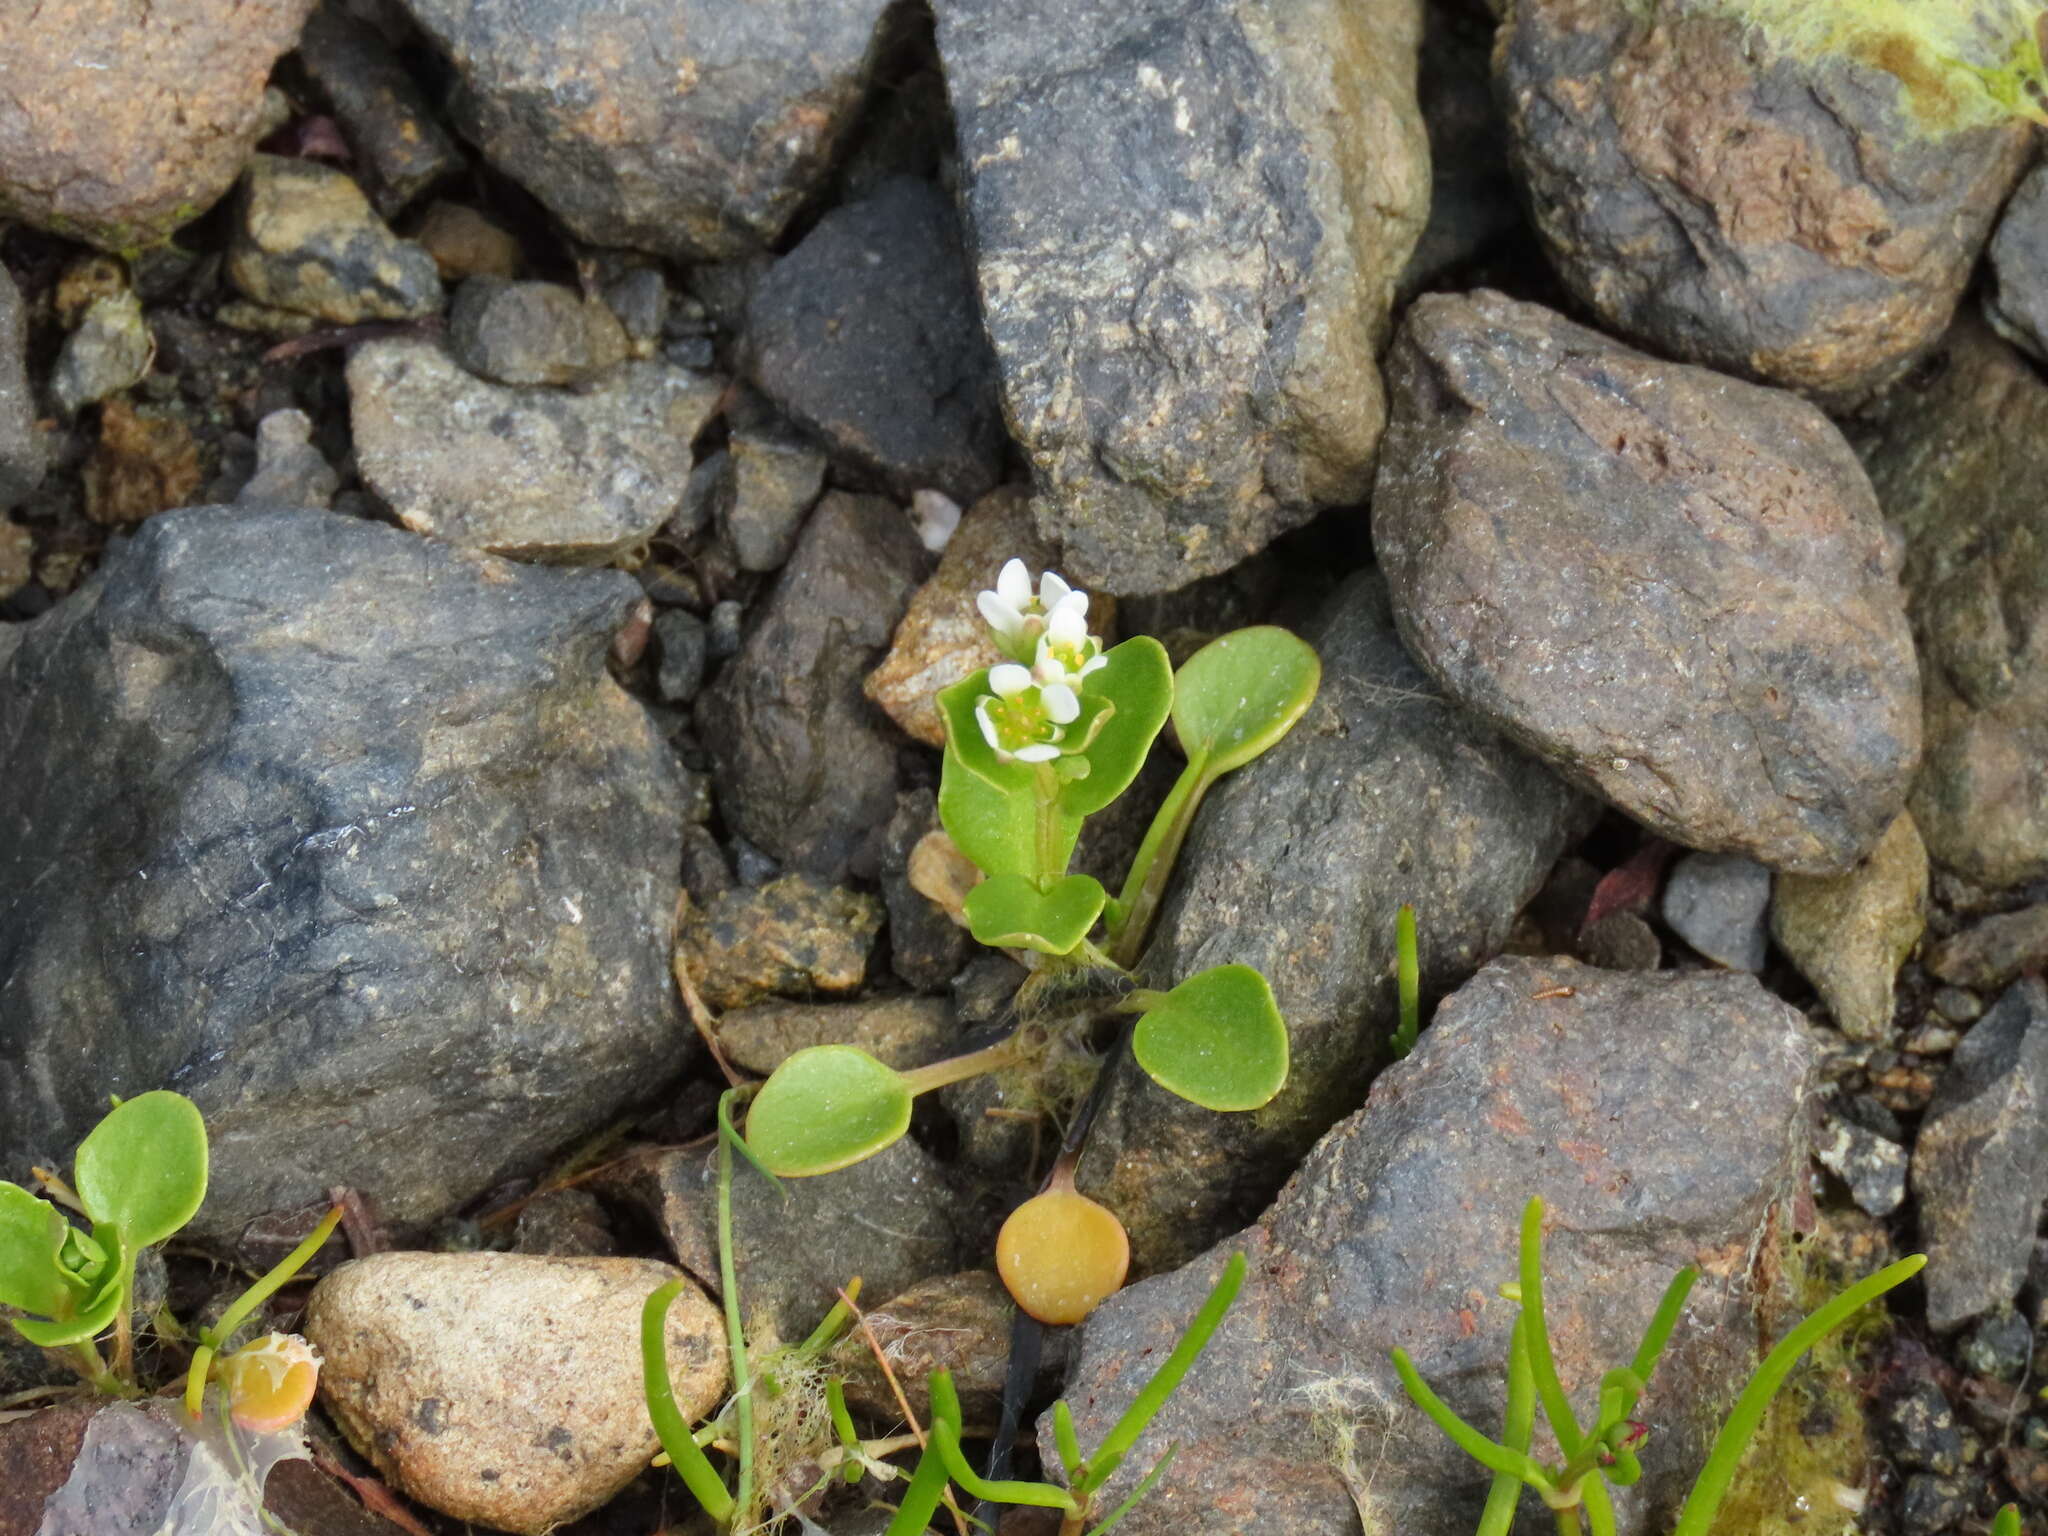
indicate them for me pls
(1013, 584)
(1042, 752)
(1053, 590)
(1094, 663)
(988, 728)
(1065, 625)
(1004, 619)
(1008, 679)
(1060, 702)
(1075, 599)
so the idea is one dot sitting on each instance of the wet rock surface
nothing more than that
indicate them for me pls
(505, 1388)
(1383, 794)
(867, 334)
(309, 242)
(1949, 456)
(1597, 1102)
(319, 876)
(1673, 587)
(1725, 205)
(1980, 1164)
(538, 473)
(144, 129)
(1849, 934)
(1188, 217)
(806, 768)
(694, 130)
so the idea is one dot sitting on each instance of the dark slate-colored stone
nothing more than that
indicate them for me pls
(1384, 793)
(1672, 586)
(401, 149)
(684, 641)
(1994, 950)
(1919, 1427)
(1188, 218)
(1658, 1116)
(22, 451)
(1769, 217)
(1980, 1164)
(806, 767)
(2016, 303)
(1953, 454)
(1873, 1166)
(1472, 200)
(769, 479)
(349, 836)
(694, 128)
(867, 334)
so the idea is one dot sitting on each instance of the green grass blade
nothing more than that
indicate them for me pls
(946, 1441)
(1518, 1427)
(1697, 1518)
(1066, 1440)
(1549, 1390)
(691, 1464)
(921, 1498)
(1658, 1334)
(1408, 979)
(1494, 1457)
(1149, 1482)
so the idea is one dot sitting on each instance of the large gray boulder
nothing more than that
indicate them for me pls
(1188, 218)
(346, 834)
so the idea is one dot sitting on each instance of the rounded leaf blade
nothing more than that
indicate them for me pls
(1139, 680)
(1241, 693)
(1012, 912)
(143, 1168)
(31, 1233)
(1217, 1040)
(826, 1108)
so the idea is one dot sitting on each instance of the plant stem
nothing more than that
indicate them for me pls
(990, 1058)
(1145, 884)
(1568, 1521)
(735, 1336)
(266, 1285)
(124, 1335)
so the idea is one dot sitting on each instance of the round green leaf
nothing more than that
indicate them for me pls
(826, 1108)
(988, 807)
(1139, 681)
(143, 1168)
(96, 1308)
(1216, 1039)
(1241, 693)
(1010, 911)
(32, 1234)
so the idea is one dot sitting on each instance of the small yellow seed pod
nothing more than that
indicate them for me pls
(270, 1382)
(1060, 1254)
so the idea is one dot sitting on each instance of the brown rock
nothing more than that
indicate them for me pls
(1766, 216)
(1673, 587)
(901, 1031)
(795, 935)
(126, 121)
(35, 1459)
(958, 1323)
(464, 243)
(1994, 951)
(505, 1388)
(146, 462)
(1849, 934)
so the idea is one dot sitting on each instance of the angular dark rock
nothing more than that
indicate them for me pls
(308, 241)
(1952, 456)
(694, 129)
(532, 333)
(1980, 1164)
(126, 121)
(867, 334)
(1672, 586)
(1717, 903)
(22, 450)
(1769, 217)
(384, 880)
(1660, 1118)
(399, 143)
(1384, 793)
(806, 767)
(1188, 219)
(1873, 1166)
(770, 479)
(926, 947)
(683, 640)
(2017, 302)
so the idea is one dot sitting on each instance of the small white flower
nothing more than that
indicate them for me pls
(1022, 720)
(1061, 702)
(1066, 651)
(1009, 679)
(1019, 617)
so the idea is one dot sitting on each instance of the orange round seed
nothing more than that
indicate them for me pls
(1060, 1254)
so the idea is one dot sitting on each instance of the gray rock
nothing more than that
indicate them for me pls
(384, 881)
(1717, 903)
(307, 240)
(564, 1224)
(23, 452)
(805, 769)
(1952, 456)
(1660, 1119)
(1920, 1428)
(694, 129)
(1673, 587)
(125, 121)
(1384, 793)
(532, 333)
(926, 947)
(1873, 1166)
(794, 936)
(1188, 219)
(769, 479)
(722, 629)
(893, 1220)
(1994, 950)
(109, 352)
(1980, 1165)
(639, 297)
(290, 471)
(399, 143)
(1622, 941)
(1999, 1346)
(2016, 303)
(900, 1031)
(958, 1323)
(683, 639)
(1849, 934)
(1929, 1504)
(1720, 204)
(539, 473)
(867, 334)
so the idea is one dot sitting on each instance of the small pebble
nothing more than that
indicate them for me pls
(1999, 1346)
(1932, 1040)
(1932, 1504)
(752, 865)
(724, 637)
(706, 873)
(1717, 903)
(109, 352)
(639, 297)
(1920, 1429)
(682, 636)
(1958, 1005)
(464, 243)
(1622, 941)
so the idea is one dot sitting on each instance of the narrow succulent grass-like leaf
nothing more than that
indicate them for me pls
(1557, 1407)
(1490, 1454)
(1145, 1485)
(1518, 1428)
(691, 1464)
(1662, 1322)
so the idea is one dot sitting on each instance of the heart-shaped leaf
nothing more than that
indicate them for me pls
(143, 1168)
(1139, 681)
(826, 1108)
(989, 807)
(97, 1308)
(32, 1234)
(1216, 1039)
(1241, 693)
(1010, 911)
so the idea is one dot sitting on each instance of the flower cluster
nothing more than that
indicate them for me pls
(1037, 693)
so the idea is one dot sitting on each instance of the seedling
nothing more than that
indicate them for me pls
(1408, 982)
(1605, 1451)
(1034, 746)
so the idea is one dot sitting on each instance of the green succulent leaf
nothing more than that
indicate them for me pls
(826, 1108)
(32, 1276)
(1241, 693)
(1011, 911)
(1217, 1039)
(143, 1168)
(92, 1313)
(1139, 681)
(989, 807)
